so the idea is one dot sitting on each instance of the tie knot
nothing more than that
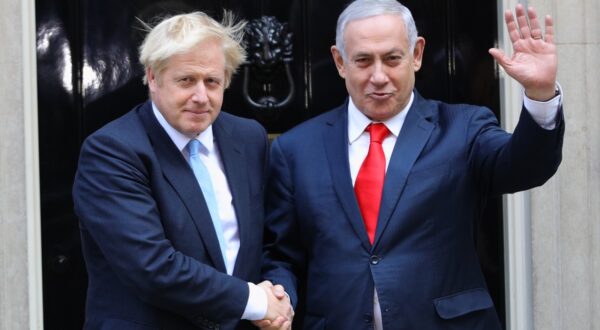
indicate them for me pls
(378, 132)
(194, 147)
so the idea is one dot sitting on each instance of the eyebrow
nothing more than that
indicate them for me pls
(366, 54)
(362, 54)
(192, 73)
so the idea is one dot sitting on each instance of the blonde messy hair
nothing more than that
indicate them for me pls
(178, 34)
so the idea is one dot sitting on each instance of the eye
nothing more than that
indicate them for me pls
(393, 59)
(362, 61)
(212, 81)
(185, 81)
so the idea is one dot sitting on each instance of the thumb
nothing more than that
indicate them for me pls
(279, 291)
(262, 323)
(499, 56)
(266, 284)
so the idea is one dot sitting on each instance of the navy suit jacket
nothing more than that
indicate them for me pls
(151, 252)
(423, 262)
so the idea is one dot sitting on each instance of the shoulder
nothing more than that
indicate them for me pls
(443, 110)
(128, 126)
(318, 124)
(451, 116)
(122, 137)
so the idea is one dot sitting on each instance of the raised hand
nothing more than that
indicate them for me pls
(279, 311)
(534, 62)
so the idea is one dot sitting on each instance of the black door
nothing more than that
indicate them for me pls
(88, 74)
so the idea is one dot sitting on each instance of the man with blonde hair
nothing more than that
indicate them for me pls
(170, 195)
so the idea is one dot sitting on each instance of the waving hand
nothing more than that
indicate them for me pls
(533, 62)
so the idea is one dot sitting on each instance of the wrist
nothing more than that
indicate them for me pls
(543, 94)
(256, 307)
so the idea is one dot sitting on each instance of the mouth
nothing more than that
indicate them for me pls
(197, 112)
(380, 96)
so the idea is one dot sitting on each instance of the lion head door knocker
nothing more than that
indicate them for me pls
(269, 47)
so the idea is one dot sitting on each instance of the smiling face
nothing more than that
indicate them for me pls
(380, 68)
(188, 92)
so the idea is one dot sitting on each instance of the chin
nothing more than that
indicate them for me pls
(380, 115)
(191, 131)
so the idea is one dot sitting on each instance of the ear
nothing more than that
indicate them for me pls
(151, 79)
(339, 61)
(418, 53)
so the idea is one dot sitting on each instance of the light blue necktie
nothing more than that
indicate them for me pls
(203, 177)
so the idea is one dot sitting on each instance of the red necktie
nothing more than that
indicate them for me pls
(369, 181)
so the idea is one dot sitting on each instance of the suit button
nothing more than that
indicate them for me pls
(367, 318)
(374, 260)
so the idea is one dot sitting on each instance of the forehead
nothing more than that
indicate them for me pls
(207, 55)
(380, 33)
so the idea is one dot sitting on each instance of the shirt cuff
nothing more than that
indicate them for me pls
(544, 113)
(256, 308)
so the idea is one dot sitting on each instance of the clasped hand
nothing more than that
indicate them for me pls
(279, 309)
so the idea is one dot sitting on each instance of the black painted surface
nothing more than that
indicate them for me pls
(88, 74)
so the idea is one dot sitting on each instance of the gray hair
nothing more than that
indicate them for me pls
(180, 33)
(360, 9)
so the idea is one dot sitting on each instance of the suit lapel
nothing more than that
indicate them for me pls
(336, 143)
(233, 159)
(178, 173)
(415, 133)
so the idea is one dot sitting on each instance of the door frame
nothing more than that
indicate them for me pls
(516, 207)
(33, 221)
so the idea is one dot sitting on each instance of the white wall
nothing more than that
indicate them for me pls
(565, 213)
(20, 255)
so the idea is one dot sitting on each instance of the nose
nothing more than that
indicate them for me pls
(200, 95)
(379, 76)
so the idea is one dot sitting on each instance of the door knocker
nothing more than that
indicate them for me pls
(269, 47)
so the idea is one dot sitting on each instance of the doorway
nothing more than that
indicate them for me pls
(88, 74)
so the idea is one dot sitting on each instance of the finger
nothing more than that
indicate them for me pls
(536, 30)
(278, 321)
(511, 26)
(549, 29)
(279, 291)
(262, 323)
(286, 325)
(522, 21)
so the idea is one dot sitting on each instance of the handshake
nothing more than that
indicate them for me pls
(279, 308)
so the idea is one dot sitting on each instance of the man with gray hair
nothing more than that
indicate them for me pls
(170, 195)
(371, 206)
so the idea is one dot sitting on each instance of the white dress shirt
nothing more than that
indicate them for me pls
(256, 307)
(543, 113)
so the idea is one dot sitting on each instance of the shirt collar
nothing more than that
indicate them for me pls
(358, 122)
(180, 139)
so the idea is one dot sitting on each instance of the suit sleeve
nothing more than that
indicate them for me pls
(118, 212)
(506, 163)
(283, 256)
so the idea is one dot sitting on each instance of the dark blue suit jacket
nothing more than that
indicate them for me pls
(152, 255)
(446, 161)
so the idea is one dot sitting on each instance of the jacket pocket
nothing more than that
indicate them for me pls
(462, 303)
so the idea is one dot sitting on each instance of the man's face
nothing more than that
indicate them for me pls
(189, 90)
(380, 69)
